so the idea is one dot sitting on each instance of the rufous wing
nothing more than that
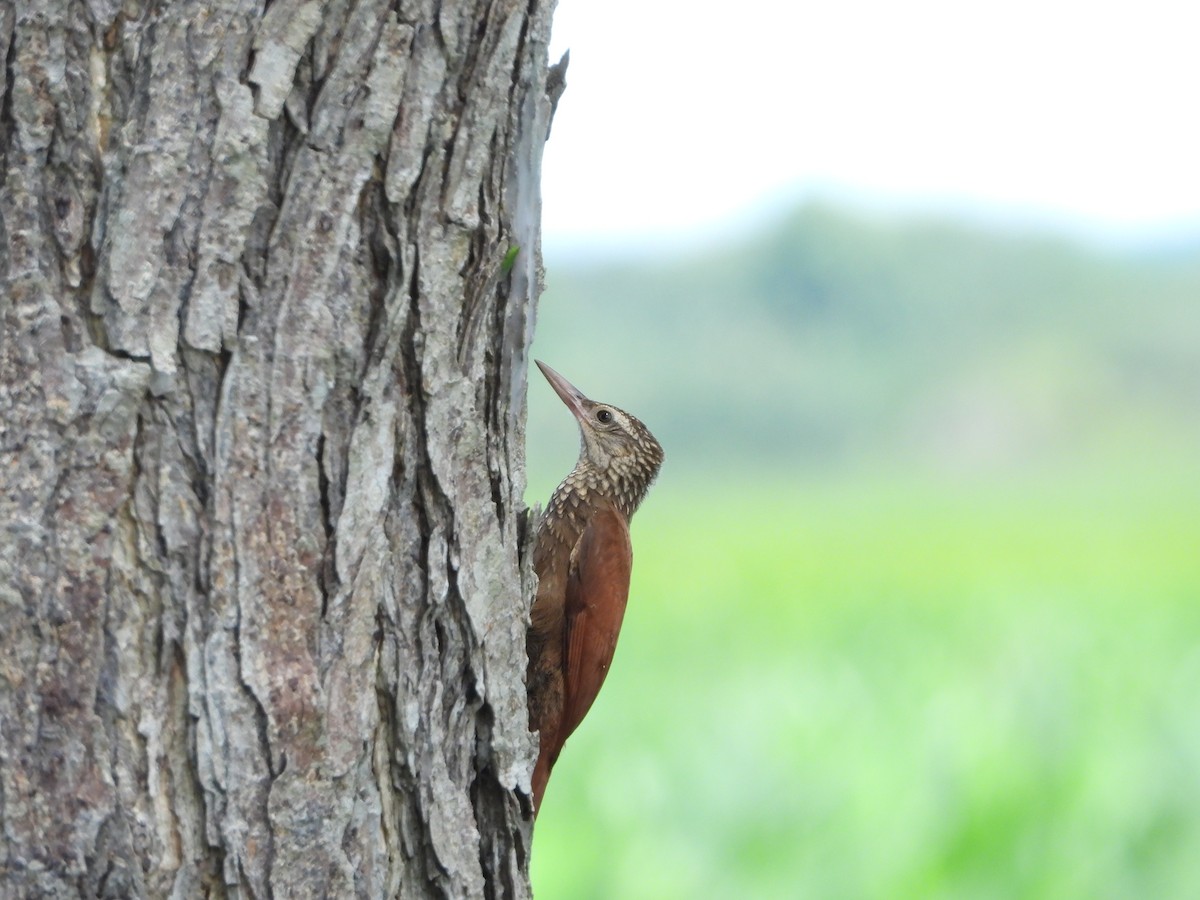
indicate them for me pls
(597, 590)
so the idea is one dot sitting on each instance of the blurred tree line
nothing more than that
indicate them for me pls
(835, 338)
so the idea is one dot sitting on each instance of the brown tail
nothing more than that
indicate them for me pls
(541, 775)
(547, 755)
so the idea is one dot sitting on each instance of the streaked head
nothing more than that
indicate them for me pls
(614, 443)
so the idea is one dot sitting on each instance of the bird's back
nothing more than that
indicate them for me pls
(582, 558)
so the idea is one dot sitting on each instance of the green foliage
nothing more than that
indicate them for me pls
(895, 688)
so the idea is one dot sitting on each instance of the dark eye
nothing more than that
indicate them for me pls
(604, 416)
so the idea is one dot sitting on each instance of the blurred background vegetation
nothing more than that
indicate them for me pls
(916, 601)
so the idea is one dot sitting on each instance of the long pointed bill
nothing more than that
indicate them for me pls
(570, 394)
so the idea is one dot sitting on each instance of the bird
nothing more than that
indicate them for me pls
(583, 558)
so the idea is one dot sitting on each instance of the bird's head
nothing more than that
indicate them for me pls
(614, 445)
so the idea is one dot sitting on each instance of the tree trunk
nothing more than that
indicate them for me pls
(263, 582)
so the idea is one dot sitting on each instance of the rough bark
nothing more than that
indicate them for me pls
(263, 587)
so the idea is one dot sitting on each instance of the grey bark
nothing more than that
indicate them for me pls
(263, 587)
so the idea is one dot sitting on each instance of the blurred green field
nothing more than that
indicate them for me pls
(896, 687)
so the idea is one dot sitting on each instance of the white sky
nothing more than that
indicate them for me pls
(679, 120)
